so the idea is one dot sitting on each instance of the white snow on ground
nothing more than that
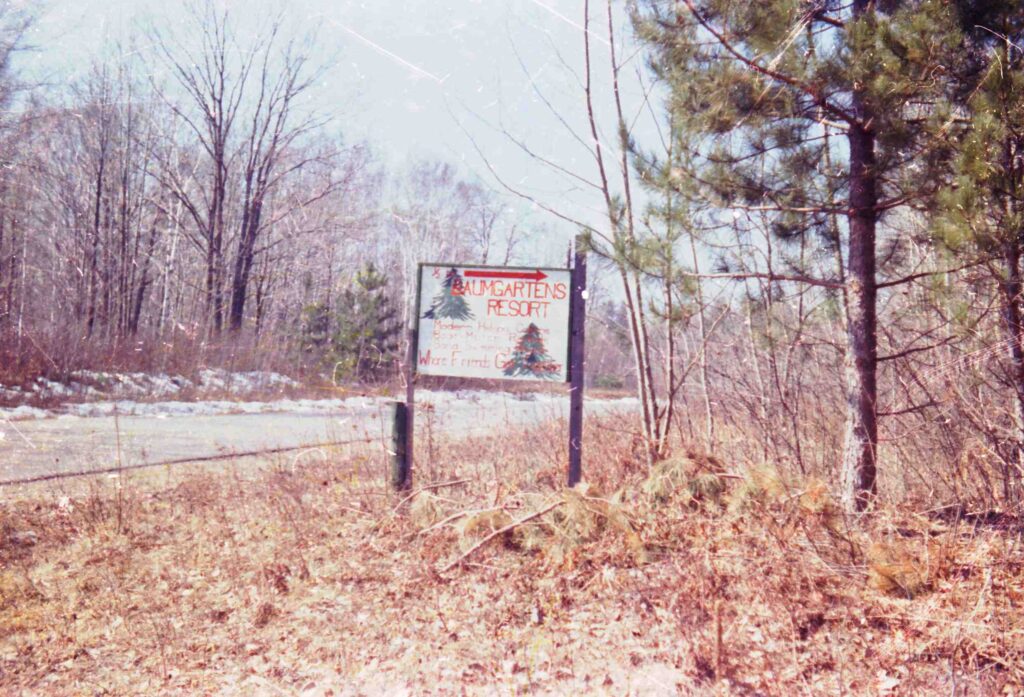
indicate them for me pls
(90, 393)
(130, 385)
(243, 382)
(24, 413)
(480, 400)
(11, 393)
(91, 383)
(103, 394)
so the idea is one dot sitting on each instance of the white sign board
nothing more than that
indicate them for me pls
(490, 322)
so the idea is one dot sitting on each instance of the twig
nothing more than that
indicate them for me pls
(718, 643)
(456, 516)
(427, 488)
(511, 526)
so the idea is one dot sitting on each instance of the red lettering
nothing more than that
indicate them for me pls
(517, 308)
(427, 359)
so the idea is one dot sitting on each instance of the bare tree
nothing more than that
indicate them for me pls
(212, 77)
(270, 153)
(14, 24)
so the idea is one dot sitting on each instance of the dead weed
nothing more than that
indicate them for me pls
(694, 577)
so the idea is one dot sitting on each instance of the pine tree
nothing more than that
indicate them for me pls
(359, 338)
(530, 357)
(366, 338)
(450, 303)
(316, 329)
(821, 116)
(982, 211)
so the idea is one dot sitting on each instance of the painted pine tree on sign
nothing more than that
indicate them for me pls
(449, 302)
(530, 357)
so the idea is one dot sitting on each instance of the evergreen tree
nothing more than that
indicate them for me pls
(530, 357)
(982, 211)
(360, 337)
(450, 302)
(366, 338)
(316, 329)
(822, 116)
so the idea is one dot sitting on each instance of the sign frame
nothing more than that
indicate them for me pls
(403, 413)
(511, 269)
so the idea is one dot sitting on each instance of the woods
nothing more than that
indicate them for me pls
(188, 203)
(828, 130)
(759, 135)
(809, 215)
(234, 236)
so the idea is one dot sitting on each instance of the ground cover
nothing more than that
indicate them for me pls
(304, 575)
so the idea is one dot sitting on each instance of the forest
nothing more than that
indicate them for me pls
(806, 267)
(815, 262)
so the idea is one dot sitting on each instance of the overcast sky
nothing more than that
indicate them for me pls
(410, 76)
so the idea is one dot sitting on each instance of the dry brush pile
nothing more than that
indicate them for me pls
(698, 577)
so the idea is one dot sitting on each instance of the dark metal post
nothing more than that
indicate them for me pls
(402, 440)
(578, 316)
(399, 446)
(410, 404)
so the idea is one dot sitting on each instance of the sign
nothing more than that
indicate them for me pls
(493, 322)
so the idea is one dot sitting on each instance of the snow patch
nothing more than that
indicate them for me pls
(468, 400)
(11, 393)
(244, 381)
(99, 385)
(24, 413)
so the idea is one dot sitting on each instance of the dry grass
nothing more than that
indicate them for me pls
(701, 577)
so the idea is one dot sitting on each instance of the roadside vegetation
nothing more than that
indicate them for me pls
(705, 575)
(805, 222)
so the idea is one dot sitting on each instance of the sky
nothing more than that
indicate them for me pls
(415, 79)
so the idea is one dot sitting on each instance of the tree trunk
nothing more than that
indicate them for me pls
(167, 274)
(1012, 315)
(860, 448)
(142, 286)
(709, 416)
(95, 248)
(12, 267)
(214, 294)
(4, 318)
(239, 288)
(243, 266)
(215, 221)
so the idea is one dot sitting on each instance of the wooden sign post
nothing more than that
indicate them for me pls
(507, 323)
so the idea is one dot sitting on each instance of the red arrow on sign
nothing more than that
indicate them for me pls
(537, 275)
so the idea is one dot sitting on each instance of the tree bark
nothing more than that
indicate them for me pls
(215, 273)
(95, 244)
(860, 449)
(1013, 317)
(12, 267)
(144, 282)
(3, 313)
(243, 265)
(214, 292)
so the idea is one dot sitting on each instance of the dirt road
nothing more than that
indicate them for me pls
(71, 443)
